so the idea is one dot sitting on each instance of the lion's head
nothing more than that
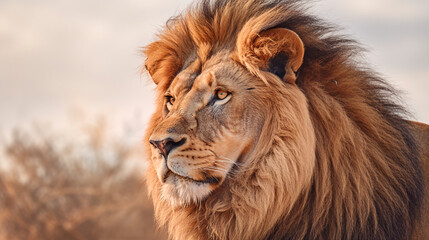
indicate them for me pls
(265, 127)
(217, 116)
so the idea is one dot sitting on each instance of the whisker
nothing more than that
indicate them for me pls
(219, 170)
(238, 168)
(221, 159)
(225, 161)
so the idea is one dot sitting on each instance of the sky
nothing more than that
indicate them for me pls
(58, 57)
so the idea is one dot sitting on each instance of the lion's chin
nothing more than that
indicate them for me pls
(181, 191)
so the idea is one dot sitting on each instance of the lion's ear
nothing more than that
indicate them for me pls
(277, 50)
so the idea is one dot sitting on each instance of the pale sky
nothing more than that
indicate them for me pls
(57, 55)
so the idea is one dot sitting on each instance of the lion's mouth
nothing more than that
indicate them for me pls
(208, 180)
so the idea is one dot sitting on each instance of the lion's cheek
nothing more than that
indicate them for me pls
(231, 146)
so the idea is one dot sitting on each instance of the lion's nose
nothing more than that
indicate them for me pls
(165, 146)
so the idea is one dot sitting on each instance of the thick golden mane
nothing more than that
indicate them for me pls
(367, 181)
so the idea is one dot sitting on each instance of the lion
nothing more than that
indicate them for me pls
(267, 126)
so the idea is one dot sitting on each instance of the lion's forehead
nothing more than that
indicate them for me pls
(183, 82)
(194, 74)
(191, 90)
(195, 86)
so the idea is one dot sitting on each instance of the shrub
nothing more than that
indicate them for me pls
(52, 188)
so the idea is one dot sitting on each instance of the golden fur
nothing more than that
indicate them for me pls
(305, 145)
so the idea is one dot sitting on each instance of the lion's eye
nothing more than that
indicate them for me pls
(221, 94)
(170, 102)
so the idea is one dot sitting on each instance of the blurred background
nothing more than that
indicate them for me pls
(73, 104)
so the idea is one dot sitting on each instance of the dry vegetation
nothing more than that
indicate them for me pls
(51, 188)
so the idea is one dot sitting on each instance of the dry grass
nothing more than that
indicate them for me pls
(55, 189)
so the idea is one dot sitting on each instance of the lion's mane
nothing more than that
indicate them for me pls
(367, 181)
